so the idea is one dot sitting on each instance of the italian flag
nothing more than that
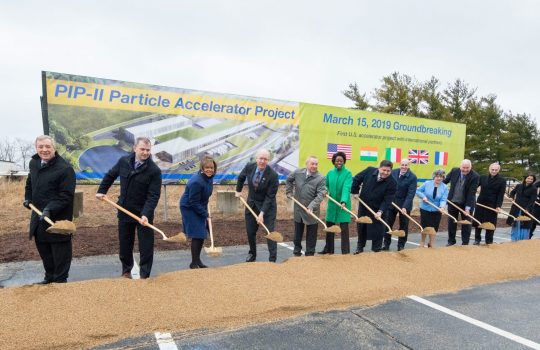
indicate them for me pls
(393, 154)
(368, 154)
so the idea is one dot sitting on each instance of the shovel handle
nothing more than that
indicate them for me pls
(127, 212)
(535, 202)
(374, 214)
(48, 220)
(338, 203)
(499, 212)
(254, 215)
(441, 210)
(407, 215)
(210, 230)
(464, 212)
(310, 213)
(525, 211)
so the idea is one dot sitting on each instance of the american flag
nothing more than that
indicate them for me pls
(338, 147)
(417, 156)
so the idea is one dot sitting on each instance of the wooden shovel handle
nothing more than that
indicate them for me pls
(310, 213)
(525, 211)
(498, 212)
(210, 230)
(535, 202)
(441, 210)
(464, 212)
(407, 215)
(374, 214)
(338, 203)
(48, 220)
(106, 199)
(252, 212)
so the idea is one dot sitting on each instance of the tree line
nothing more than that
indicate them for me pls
(492, 134)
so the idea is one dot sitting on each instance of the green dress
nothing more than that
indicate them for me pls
(338, 183)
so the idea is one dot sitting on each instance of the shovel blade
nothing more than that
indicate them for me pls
(487, 226)
(397, 233)
(63, 227)
(213, 251)
(429, 231)
(181, 237)
(523, 218)
(275, 236)
(333, 229)
(364, 220)
(464, 222)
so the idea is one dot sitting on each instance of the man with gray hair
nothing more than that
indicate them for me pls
(140, 189)
(308, 187)
(463, 184)
(492, 188)
(263, 185)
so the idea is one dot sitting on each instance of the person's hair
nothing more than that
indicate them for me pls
(526, 176)
(261, 151)
(339, 154)
(143, 139)
(438, 172)
(208, 160)
(466, 161)
(311, 157)
(45, 137)
(386, 163)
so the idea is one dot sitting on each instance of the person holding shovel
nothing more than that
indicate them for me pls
(378, 192)
(435, 192)
(338, 184)
(463, 184)
(308, 187)
(140, 189)
(194, 208)
(263, 185)
(50, 187)
(492, 188)
(524, 195)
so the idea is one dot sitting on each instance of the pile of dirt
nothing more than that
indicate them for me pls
(85, 314)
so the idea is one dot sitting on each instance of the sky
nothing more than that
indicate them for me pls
(305, 51)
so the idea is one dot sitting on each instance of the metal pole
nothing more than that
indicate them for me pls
(165, 213)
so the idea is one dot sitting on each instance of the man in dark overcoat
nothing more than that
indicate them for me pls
(263, 186)
(378, 191)
(50, 187)
(140, 189)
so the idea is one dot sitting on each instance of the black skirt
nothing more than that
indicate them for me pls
(430, 219)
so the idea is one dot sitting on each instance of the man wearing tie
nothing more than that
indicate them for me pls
(263, 186)
(406, 189)
(463, 184)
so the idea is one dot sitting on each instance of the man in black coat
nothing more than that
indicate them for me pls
(492, 188)
(140, 188)
(378, 191)
(463, 184)
(50, 187)
(406, 189)
(263, 186)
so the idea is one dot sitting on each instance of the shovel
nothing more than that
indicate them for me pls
(526, 212)
(484, 225)
(212, 251)
(519, 218)
(274, 235)
(331, 229)
(535, 202)
(181, 237)
(426, 231)
(397, 233)
(63, 227)
(464, 222)
(362, 219)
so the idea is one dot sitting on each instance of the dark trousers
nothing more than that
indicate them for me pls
(376, 232)
(345, 243)
(196, 248)
(251, 228)
(126, 237)
(311, 237)
(478, 235)
(56, 259)
(403, 225)
(452, 226)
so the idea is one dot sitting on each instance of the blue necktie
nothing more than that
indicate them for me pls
(257, 179)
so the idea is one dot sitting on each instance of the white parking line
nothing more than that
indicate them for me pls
(408, 242)
(285, 245)
(165, 341)
(135, 271)
(477, 323)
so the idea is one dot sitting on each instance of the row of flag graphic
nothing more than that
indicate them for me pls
(370, 154)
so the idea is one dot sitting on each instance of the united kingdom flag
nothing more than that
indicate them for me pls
(418, 156)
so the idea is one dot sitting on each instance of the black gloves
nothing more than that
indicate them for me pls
(27, 203)
(46, 213)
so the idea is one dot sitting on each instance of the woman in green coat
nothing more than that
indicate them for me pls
(338, 183)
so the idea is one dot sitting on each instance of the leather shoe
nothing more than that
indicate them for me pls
(251, 258)
(386, 248)
(201, 265)
(322, 252)
(272, 259)
(43, 282)
(358, 251)
(401, 248)
(450, 244)
(297, 253)
(127, 275)
(476, 243)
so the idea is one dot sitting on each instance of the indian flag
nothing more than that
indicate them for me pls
(393, 154)
(369, 154)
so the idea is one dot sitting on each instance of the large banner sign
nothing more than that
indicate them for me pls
(96, 121)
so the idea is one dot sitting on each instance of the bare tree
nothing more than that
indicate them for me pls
(25, 149)
(8, 150)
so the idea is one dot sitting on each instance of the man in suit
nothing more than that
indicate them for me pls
(463, 184)
(140, 189)
(406, 189)
(378, 191)
(263, 186)
(309, 189)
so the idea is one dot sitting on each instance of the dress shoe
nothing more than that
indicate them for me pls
(386, 248)
(401, 248)
(60, 281)
(201, 265)
(43, 282)
(476, 243)
(297, 254)
(450, 244)
(127, 275)
(358, 251)
(251, 258)
(193, 266)
(322, 252)
(309, 254)
(465, 243)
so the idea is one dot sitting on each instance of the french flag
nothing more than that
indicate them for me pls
(441, 158)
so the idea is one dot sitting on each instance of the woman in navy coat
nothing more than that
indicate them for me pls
(194, 209)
